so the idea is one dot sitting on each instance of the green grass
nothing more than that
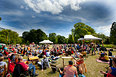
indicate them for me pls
(93, 67)
(109, 45)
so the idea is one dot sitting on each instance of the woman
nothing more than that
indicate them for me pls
(80, 64)
(2, 66)
(111, 70)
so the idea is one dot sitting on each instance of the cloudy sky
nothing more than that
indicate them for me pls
(57, 16)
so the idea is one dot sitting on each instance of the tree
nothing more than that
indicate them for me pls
(9, 37)
(70, 39)
(66, 40)
(52, 37)
(34, 36)
(113, 33)
(104, 37)
(81, 29)
(60, 39)
(0, 18)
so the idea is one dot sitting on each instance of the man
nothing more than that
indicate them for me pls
(27, 67)
(70, 70)
(98, 48)
(44, 63)
(2, 66)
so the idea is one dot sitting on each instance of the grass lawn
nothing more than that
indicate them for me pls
(93, 67)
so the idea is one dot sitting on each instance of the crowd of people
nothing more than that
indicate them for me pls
(44, 54)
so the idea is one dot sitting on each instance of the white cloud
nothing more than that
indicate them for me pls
(53, 6)
(17, 13)
(103, 29)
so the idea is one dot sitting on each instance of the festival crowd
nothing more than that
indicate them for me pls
(13, 62)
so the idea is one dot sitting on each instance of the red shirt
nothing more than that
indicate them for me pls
(25, 66)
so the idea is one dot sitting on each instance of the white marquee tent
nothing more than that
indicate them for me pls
(46, 42)
(80, 39)
(90, 37)
(2, 44)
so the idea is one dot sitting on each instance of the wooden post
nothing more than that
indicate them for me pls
(63, 62)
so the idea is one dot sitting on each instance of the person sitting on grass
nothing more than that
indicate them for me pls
(69, 71)
(2, 66)
(44, 63)
(111, 71)
(104, 57)
(26, 67)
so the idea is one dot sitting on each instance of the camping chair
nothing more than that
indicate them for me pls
(19, 71)
(54, 68)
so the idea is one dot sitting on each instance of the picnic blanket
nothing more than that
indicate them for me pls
(33, 58)
(74, 75)
(102, 61)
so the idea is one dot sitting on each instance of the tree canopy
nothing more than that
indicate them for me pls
(81, 29)
(34, 36)
(113, 33)
(60, 39)
(0, 18)
(9, 36)
(52, 37)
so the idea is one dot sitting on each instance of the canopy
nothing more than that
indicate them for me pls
(80, 39)
(2, 44)
(46, 42)
(90, 37)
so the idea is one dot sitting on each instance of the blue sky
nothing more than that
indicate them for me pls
(57, 16)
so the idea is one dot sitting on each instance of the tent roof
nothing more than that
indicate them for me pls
(90, 37)
(81, 39)
(2, 44)
(46, 42)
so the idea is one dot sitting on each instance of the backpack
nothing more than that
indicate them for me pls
(11, 66)
(18, 70)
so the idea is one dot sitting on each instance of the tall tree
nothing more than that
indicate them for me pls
(113, 33)
(9, 36)
(60, 39)
(0, 18)
(104, 37)
(52, 37)
(34, 36)
(70, 39)
(81, 29)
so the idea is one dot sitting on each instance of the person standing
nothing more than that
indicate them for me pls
(98, 47)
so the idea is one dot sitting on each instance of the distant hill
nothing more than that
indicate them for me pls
(1, 28)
